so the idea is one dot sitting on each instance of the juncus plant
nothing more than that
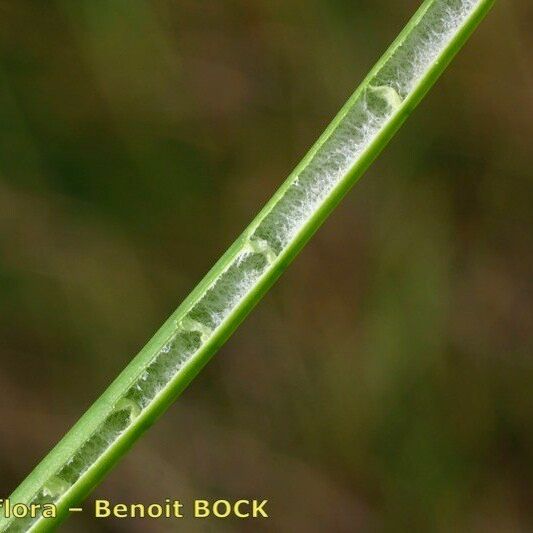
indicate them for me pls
(214, 309)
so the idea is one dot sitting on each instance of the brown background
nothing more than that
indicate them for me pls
(385, 382)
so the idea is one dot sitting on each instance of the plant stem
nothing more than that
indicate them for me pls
(210, 314)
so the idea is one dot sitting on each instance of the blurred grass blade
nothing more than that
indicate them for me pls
(187, 340)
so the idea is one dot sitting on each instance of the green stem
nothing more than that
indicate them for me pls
(204, 321)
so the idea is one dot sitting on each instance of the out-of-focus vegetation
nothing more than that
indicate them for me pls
(394, 396)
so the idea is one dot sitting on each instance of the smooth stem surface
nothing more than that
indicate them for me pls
(188, 339)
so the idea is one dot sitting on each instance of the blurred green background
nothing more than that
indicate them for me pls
(385, 383)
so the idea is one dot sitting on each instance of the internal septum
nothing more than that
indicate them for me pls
(380, 98)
